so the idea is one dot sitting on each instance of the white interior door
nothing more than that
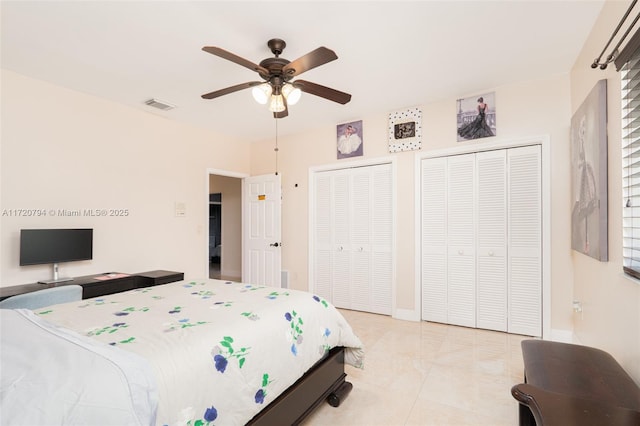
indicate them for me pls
(382, 254)
(491, 270)
(434, 239)
(261, 233)
(353, 237)
(481, 218)
(323, 236)
(525, 240)
(341, 237)
(461, 235)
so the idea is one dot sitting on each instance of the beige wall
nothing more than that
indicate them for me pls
(611, 302)
(526, 109)
(65, 150)
(231, 190)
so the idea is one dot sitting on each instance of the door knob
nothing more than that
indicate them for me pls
(275, 245)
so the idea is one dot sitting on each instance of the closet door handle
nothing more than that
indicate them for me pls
(361, 248)
(340, 248)
(461, 252)
(491, 253)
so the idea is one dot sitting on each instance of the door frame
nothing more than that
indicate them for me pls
(218, 172)
(545, 143)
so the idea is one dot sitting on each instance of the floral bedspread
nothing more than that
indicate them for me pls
(220, 351)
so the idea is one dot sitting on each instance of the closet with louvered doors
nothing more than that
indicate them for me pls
(353, 236)
(481, 259)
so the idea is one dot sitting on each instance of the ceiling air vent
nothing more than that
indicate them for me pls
(159, 104)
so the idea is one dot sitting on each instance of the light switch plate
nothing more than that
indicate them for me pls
(181, 209)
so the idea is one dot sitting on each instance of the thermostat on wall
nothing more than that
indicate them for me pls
(181, 209)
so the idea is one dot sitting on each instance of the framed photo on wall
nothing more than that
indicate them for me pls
(405, 130)
(349, 141)
(589, 175)
(476, 117)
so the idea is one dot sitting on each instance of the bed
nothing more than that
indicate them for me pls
(186, 353)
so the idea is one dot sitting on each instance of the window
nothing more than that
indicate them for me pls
(631, 164)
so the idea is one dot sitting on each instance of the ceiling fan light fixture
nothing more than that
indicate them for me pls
(262, 93)
(276, 104)
(292, 93)
(277, 90)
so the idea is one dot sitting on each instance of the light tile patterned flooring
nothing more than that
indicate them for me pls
(421, 373)
(214, 273)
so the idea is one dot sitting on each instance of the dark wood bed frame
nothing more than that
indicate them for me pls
(324, 381)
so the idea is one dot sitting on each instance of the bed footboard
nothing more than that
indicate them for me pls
(325, 381)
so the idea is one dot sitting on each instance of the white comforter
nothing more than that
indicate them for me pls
(219, 351)
(53, 376)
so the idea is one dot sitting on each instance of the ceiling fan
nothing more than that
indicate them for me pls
(277, 88)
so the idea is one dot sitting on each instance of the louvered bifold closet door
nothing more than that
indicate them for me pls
(323, 252)
(353, 237)
(360, 244)
(491, 280)
(434, 239)
(461, 232)
(341, 232)
(381, 196)
(525, 241)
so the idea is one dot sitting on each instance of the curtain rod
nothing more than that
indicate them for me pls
(615, 52)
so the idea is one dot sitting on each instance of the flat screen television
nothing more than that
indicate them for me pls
(53, 246)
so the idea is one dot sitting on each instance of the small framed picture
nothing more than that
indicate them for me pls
(405, 130)
(349, 141)
(476, 117)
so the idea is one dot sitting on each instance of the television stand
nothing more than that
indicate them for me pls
(101, 284)
(55, 279)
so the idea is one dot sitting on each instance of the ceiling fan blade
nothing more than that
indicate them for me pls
(231, 89)
(235, 58)
(322, 91)
(313, 59)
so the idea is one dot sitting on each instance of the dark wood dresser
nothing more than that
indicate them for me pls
(102, 284)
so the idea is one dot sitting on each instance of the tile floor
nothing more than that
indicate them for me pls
(214, 273)
(420, 373)
(214, 270)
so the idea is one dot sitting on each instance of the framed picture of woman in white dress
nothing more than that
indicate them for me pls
(349, 140)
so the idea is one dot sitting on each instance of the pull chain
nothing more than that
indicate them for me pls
(276, 148)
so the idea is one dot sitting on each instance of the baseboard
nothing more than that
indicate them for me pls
(557, 335)
(406, 315)
(563, 336)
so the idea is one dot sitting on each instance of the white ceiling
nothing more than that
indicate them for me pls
(391, 54)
